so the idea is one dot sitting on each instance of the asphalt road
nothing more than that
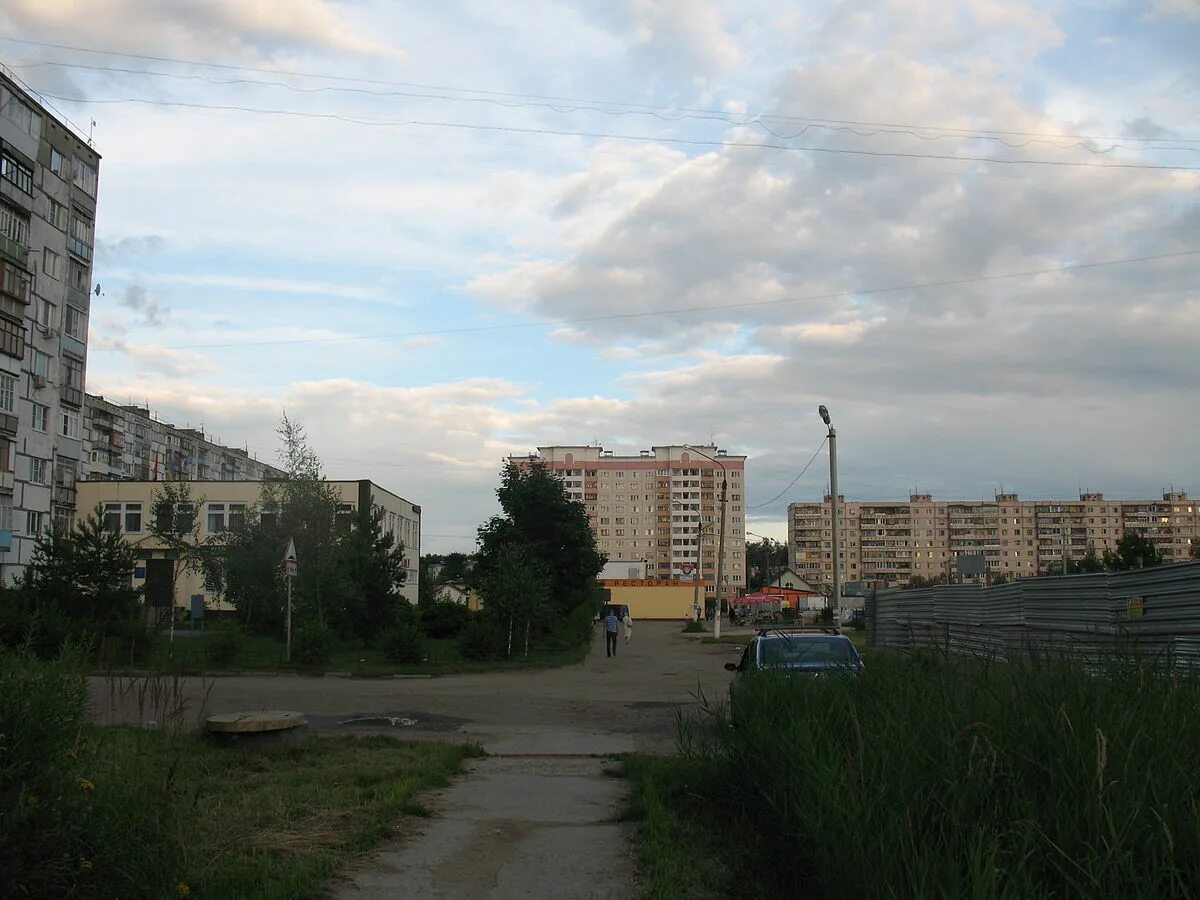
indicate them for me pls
(599, 706)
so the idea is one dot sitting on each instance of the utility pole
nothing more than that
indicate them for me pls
(1066, 540)
(835, 596)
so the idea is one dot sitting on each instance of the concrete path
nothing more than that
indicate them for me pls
(537, 818)
(515, 826)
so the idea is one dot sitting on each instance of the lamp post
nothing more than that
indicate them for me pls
(697, 608)
(720, 539)
(835, 596)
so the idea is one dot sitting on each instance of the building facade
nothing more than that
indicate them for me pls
(48, 190)
(126, 507)
(890, 543)
(661, 506)
(130, 442)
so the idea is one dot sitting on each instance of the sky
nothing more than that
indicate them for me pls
(437, 234)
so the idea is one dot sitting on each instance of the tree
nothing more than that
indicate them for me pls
(250, 573)
(516, 591)
(1090, 563)
(1134, 551)
(175, 522)
(764, 560)
(371, 562)
(554, 531)
(85, 575)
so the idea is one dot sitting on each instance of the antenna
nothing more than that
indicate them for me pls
(91, 127)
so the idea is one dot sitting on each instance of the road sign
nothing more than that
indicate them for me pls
(290, 568)
(290, 554)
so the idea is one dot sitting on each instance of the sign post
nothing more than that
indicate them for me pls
(290, 567)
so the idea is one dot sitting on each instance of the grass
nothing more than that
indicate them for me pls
(277, 823)
(189, 654)
(935, 778)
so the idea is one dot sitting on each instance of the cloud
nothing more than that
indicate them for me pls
(148, 309)
(688, 36)
(134, 247)
(152, 360)
(248, 30)
(1174, 9)
(423, 340)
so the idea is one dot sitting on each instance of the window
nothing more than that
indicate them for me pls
(75, 323)
(133, 518)
(112, 517)
(72, 371)
(6, 512)
(37, 470)
(58, 163)
(77, 276)
(56, 214)
(41, 418)
(237, 515)
(83, 176)
(33, 522)
(19, 175)
(39, 362)
(216, 518)
(12, 338)
(6, 455)
(70, 423)
(14, 281)
(80, 240)
(52, 264)
(14, 226)
(8, 392)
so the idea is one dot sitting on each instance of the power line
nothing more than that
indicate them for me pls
(794, 480)
(645, 314)
(551, 97)
(677, 116)
(655, 139)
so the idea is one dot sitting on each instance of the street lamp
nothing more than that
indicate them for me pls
(835, 596)
(720, 540)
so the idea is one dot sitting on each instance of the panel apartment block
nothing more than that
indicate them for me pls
(48, 188)
(130, 442)
(889, 543)
(661, 506)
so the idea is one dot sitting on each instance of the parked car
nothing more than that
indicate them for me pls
(807, 652)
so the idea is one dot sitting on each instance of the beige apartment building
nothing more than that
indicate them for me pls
(889, 543)
(127, 506)
(661, 506)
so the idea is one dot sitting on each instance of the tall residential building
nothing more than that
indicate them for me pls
(48, 181)
(661, 506)
(130, 442)
(889, 543)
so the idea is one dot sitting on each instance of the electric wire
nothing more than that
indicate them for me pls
(794, 480)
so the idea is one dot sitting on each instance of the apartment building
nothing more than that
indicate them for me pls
(127, 506)
(48, 188)
(889, 543)
(661, 506)
(125, 441)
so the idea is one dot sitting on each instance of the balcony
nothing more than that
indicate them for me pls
(8, 423)
(72, 395)
(5, 539)
(14, 251)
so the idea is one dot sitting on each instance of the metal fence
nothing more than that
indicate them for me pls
(1156, 610)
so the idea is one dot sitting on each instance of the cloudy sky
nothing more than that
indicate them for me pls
(440, 233)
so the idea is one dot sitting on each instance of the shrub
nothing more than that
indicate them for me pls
(444, 619)
(404, 644)
(68, 828)
(224, 644)
(480, 639)
(312, 643)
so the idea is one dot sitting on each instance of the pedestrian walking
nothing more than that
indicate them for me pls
(611, 624)
(628, 623)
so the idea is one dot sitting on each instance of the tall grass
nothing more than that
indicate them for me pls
(934, 778)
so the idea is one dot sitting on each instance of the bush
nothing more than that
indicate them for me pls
(444, 619)
(404, 644)
(312, 643)
(66, 829)
(224, 644)
(481, 639)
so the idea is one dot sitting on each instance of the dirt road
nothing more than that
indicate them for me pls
(599, 706)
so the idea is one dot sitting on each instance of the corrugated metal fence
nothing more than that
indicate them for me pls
(1157, 610)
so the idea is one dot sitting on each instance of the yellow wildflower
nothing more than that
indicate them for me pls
(71, 752)
(85, 864)
(183, 889)
(85, 783)
(32, 800)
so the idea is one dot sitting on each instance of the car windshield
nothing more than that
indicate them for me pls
(788, 651)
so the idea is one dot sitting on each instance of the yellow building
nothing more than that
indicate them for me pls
(654, 598)
(127, 506)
